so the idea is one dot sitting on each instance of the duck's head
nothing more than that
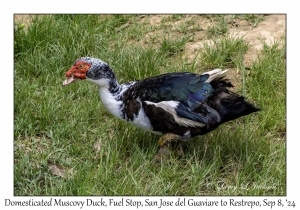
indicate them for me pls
(90, 69)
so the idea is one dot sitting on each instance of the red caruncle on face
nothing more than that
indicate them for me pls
(79, 70)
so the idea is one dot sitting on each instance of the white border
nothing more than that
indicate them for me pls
(155, 6)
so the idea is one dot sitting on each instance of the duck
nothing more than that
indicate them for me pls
(177, 106)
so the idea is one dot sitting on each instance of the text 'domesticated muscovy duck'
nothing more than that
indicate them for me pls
(176, 105)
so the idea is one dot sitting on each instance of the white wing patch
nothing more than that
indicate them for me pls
(143, 122)
(170, 106)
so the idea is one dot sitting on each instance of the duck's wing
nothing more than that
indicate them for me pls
(183, 94)
(173, 87)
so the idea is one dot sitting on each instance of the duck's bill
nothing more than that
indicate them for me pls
(69, 80)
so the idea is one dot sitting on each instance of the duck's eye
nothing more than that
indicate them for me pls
(80, 66)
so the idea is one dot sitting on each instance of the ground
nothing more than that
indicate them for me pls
(271, 28)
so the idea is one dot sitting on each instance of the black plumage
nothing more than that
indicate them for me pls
(172, 86)
(209, 103)
(178, 105)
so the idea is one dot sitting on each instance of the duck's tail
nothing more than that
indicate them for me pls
(213, 74)
(228, 104)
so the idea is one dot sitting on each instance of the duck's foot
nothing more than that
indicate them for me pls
(162, 154)
(165, 142)
(179, 149)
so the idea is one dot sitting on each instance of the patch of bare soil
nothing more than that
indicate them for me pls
(22, 19)
(270, 30)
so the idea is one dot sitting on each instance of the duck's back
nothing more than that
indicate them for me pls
(185, 102)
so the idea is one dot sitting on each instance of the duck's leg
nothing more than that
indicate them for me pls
(179, 149)
(164, 144)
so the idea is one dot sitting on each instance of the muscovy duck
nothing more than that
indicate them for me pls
(177, 105)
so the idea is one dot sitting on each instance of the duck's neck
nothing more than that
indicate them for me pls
(114, 88)
(110, 95)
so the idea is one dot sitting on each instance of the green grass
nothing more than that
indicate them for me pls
(223, 51)
(218, 29)
(171, 46)
(252, 19)
(68, 126)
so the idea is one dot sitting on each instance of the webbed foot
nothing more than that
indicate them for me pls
(164, 144)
